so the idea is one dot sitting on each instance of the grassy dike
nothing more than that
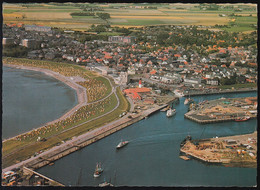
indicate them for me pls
(239, 86)
(27, 148)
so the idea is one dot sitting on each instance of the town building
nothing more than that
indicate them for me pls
(7, 41)
(212, 82)
(37, 28)
(136, 93)
(29, 43)
(122, 39)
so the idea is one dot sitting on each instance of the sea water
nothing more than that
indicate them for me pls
(31, 99)
(152, 156)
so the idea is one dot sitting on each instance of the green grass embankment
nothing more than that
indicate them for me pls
(239, 86)
(68, 70)
(54, 140)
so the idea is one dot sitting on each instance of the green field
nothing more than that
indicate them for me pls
(8, 11)
(59, 16)
(139, 22)
(48, 10)
(111, 33)
(242, 24)
(84, 17)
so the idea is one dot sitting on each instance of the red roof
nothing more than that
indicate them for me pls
(153, 72)
(133, 92)
(252, 64)
(222, 51)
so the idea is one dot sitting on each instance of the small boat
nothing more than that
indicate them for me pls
(122, 144)
(242, 118)
(105, 184)
(98, 170)
(170, 112)
(188, 101)
(165, 109)
(184, 157)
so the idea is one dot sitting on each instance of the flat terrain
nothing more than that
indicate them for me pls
(222, 110)
(125, 15)
(237, 150)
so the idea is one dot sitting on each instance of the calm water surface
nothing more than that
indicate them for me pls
(31, 99)
(152, 156)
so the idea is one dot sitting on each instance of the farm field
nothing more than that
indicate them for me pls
(177, 14)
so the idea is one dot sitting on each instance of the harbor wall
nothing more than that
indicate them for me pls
(41, 161)
(211, 120)
(221, 92)
(28, 171)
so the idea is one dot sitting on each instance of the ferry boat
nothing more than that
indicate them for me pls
(98, 170)
(122, 144)
(170, 112)
(242, 118)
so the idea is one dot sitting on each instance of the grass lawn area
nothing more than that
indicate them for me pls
(106, 82)
(111, 33)
(242, 24)
(8, 11)
(238, 86)
(48, 10)
(60, 7)
(54, 140)
(86, 17)
(238, 29)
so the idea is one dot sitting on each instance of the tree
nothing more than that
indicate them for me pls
(162, 37)
(103, 16)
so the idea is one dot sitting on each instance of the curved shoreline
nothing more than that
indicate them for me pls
(80, 91)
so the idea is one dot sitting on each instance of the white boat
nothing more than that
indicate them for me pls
(170, 112)
(98, 170)
(178, 93)
(105, 184)
(187, 101)
(122, 144)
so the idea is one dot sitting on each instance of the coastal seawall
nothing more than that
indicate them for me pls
(81, 141)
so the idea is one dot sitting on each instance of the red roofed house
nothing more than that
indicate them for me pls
(252, 64)
(134, 93)
(222, 51)
(153, 72)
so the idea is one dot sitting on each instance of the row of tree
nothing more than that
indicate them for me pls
(13, 50)
(82, 14)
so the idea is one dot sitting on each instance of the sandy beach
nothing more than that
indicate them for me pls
(81, 91)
